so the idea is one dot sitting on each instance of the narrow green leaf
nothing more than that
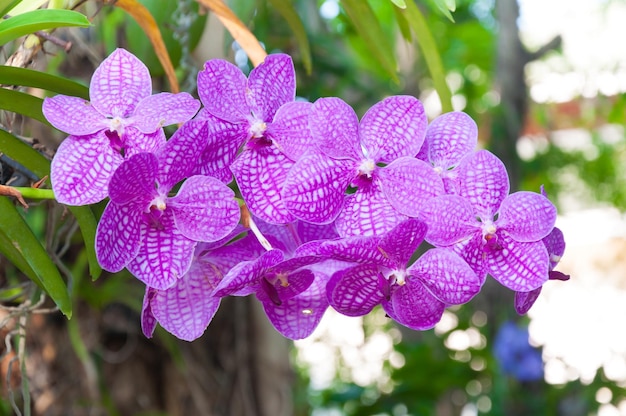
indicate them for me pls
(287, 10)
(403, 25)
(24, 241)
(88, 224)
(369, 28)
(400, 3)
(15, 257)
(31, 22)
(6, 5)
(22, 153)
(445, 7)
(431, 54)
(22, 103)
(23, 77)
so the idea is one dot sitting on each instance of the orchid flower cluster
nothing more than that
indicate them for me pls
(337, 206)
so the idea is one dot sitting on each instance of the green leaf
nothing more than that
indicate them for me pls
(7, 5)
(15, 257)
(403, 25)
(23, 77)
(400, 3)
(22, 153)
(31, 22)
(22, 103)
(20, 236)
(431, 54)
(88, 225)
(370, 30)
(287, 10)
(445, 7)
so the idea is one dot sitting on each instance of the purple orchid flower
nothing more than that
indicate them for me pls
(494, 232)
(261, 113)
(449, 139)
(555, 245)
(149, 232)
(415, 295)
(351, 154)
(122, 119)
(186, 309)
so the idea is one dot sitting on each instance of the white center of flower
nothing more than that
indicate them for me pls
(489, 229)
(257, 129)
(367, 167)
(400, 276)
(117, 125)
(438, 170)
(159, 202)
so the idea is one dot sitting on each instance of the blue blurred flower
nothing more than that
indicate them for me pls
(515, 355)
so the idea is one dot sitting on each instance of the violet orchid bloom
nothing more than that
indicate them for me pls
(152, 234)
(186, 309)
(493, 231)
(121, 120)
(555, 244)
(449, 138)
(261, 114)
(415, 295)
(350, 155)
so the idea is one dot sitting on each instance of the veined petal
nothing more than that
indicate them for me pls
(521, 267)
(450, 219)
(408, 183)
(270, 85)
(119, 236)
(315, 187)
(73, 115)
(313, 232)
(356, 291)
(247, 274)
(394, 127)
(527, 216)
(148, 321)
(135, 141)
(82, 168)
(297, 318)
(135, 180)
(222, 89)
(186, 309)
(357, 249)
(164, 256)
(483, 180)
(119, 83)
(451, 137)
(525, 300)
(294, 284)
(413, 306)
(290, 129)
(261, 175)
(367, 212)
(163, 109)
(472, 251)
(335, 126)
(448, 277)
(224, 141)
(180, 155)
(555, 244)
(400, 243)
(204, 209)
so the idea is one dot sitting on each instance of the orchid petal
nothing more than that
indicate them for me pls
(148, 321)
(82, 168)
(484, 182)
(163, 109)
(408, 183)
(520, 266)
(73, 115)
(335, 126)
(450, 219)
(260, 175)
(357, 249)
(119, 84)
(135, 180)
(119, 236)
(355, 291)
(204, 209)
(247, 273)
(294, 284)
(472, 251)
(555, 244)
(413, 306)
(448, 277)
(134, 141)
(393, 128)
(399, 244)
(315, 187)
(450, 138)
(290, 129)
(222, 90)
(527, 216)
(312, 232)
(165, 255)
(224, 141)
(270, 85)
(525, 300)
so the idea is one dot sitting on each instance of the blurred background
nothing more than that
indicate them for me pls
(545, 82)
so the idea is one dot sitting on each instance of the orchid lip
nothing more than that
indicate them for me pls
(367, 167)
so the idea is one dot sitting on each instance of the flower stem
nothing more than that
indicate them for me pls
(35, 193)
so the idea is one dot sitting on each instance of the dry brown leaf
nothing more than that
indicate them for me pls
(248, 42)
(10, 191)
